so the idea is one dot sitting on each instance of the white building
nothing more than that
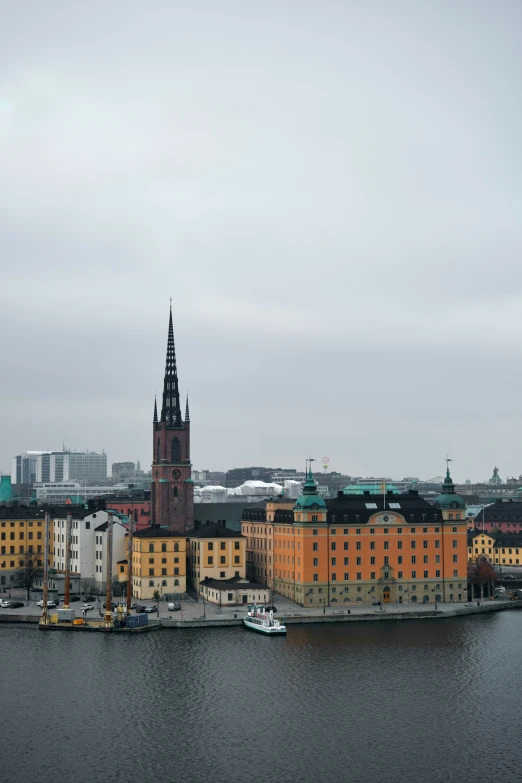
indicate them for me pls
(293, 489)
(89, 545)
(119, 550)
(210, 494)
(59, 491)
(257, 489)
(82, 545)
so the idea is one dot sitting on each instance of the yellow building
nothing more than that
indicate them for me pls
(216, 553)
(159, 558)
(499, 548)
(21, 531)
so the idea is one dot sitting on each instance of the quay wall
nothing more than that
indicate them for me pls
(303, 619)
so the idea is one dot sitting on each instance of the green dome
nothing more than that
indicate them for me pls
(310, 499)
(448, 497)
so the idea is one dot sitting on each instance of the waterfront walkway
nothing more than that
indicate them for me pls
(196, 614)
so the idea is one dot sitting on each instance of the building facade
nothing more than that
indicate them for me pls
(502, 549)
(172, 488)
(237, 591)
(119, 551)
(52, 466)
(216, 553)
(159, 558)
(392, 548)
(22, 530)
(504, 516)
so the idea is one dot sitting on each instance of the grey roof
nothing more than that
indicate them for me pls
(156, 531)
(213, 531)
(230, 513)
(235, 583)
(36, 512)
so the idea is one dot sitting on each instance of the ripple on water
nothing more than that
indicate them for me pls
(359, 702)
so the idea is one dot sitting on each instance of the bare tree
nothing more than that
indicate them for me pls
(30, 569)
(86, 586)
(480, 573)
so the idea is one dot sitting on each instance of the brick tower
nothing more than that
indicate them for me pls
(172, 488)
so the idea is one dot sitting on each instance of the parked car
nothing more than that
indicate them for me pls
(152, 608)
(88, 607)
(139, 609)
(15, 604)
(174, 606)
(134, 606)
(75, 598)
(113, 605)
(271, 608)
(50, 604)
(5, 604)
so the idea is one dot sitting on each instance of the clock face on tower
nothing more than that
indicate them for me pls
(176, 473)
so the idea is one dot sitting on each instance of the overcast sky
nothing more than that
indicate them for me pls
(329, 191)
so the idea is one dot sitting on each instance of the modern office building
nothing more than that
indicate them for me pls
(52, 466)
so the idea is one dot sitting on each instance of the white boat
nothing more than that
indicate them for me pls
(258, 619)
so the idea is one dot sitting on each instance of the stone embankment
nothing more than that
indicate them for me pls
(306, 617)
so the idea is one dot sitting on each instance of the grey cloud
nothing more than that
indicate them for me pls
(330, 193)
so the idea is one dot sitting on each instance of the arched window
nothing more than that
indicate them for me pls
(135, 514)
(164, 583)
(176, 547)
(158, 451)
(151, 547)
(175, 492)
(163, 547)
(176, 581)
(175, 450)
(2, 580)
(151, 583)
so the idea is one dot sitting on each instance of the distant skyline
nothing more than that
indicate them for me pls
(331, 194)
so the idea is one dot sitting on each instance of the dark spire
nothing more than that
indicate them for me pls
(170, 411)
(187, 414)
(155, 411)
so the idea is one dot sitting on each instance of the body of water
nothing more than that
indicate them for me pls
(384, 702)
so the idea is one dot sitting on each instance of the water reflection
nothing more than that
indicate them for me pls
(395, 701)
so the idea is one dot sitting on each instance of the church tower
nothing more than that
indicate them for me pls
(172, 488)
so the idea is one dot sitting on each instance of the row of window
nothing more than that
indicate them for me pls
(12, 536)
(3, 563)
(21, 549)
(210, 560)
(400, 575)
(151, 547)
(223, 545)
(164, 572)
(21, 524)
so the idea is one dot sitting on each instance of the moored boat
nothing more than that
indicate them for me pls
(263, 621)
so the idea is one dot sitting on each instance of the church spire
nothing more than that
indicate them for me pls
(155, 420)
(187, 414)
(170, 411)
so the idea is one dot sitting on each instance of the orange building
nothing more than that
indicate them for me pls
(389, 548)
